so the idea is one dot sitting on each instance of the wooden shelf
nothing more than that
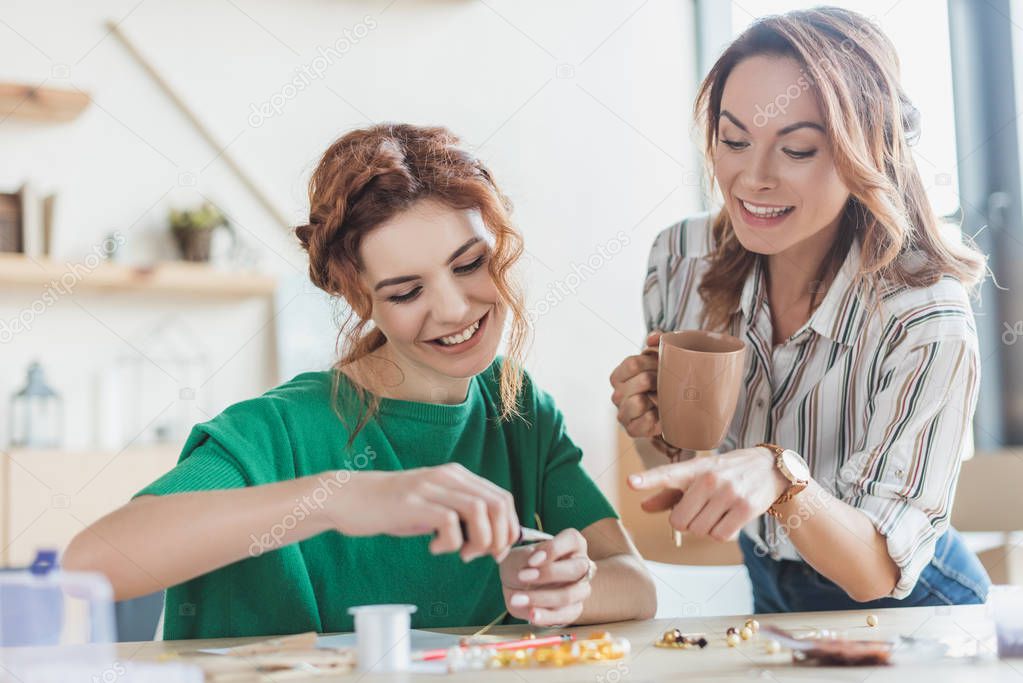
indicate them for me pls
(43, 105)
(167, 277)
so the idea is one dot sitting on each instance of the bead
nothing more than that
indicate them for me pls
(669, 636)
(871, 620)
(773, 647)
(746, 633)
(753, 625)
(731, 631)
(732, 639)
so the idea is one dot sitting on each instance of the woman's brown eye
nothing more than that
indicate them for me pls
(463, 270)
(402, 298)
(800, 155)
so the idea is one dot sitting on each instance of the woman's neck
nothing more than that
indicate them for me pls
(388, 375)
(794, 276)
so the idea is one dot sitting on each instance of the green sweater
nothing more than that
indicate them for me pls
(292, 431)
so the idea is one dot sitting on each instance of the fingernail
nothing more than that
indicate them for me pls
(635, 479)
(519, 600)
(470, 557)
(538, 558)
(529, 575)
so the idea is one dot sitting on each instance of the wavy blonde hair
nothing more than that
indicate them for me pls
(370, 175)
(853, 71)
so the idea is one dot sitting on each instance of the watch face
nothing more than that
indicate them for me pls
(795, 464)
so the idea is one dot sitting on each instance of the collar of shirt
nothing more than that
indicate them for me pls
(840, 314)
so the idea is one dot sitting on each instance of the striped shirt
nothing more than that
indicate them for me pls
(878, 401)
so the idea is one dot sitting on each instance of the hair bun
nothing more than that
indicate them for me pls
(304, 234)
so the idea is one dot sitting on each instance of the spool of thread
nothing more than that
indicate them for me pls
(382, 635)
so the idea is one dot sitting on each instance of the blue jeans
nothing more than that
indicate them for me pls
(954, 576)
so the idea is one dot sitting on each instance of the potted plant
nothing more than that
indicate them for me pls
(193, 230)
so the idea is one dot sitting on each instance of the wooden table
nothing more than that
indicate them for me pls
(747, 662)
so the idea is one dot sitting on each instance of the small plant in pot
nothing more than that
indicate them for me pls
(193, 230)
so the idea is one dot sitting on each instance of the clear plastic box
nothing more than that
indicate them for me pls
(51, 618)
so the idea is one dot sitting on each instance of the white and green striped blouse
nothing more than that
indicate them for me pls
(878, 401)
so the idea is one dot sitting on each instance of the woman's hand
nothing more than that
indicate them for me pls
(430, 499)
(547, 583)
(715, 495)
(635, 391)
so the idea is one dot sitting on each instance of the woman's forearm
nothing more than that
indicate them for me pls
(622, 590)
(155, 542)
(840, 542)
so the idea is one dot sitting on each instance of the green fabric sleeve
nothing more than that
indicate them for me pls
(208, 467)
(569, 498)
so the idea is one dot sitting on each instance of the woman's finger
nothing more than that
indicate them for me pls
(568, 570)
(646, 425)
(448, 537)
(472, 511)
(568, 542)
(552, 598)
(632, 366)
(716, 508)
(662, 500)
(730, 525)
(634, 406)
(503, 526)
(678, 475)
(642, 383)
(556, 617)
(693, 501)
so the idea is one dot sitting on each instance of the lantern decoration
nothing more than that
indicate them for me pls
(37, 413)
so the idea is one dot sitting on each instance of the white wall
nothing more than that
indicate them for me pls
(581, 108)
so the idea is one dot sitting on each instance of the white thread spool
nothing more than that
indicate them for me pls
(382, 636)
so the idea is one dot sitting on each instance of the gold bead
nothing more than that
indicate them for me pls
(871, 620)
(732, 639)
(773, 647)
(753, 625)
(746, 633)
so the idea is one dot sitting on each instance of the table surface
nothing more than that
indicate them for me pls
(967, 624)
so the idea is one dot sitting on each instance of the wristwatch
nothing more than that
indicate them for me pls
(792, 467)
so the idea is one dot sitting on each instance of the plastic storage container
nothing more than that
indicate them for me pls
(51, 618)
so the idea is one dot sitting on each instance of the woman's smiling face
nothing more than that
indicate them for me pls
(772, 160)
(433, 295)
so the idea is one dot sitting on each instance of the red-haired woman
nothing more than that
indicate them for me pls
(862, 361)
(403, 474)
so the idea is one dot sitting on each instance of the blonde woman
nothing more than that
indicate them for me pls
(840, 466)
(404, 473)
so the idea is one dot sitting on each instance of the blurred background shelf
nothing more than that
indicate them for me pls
(169, 277)
(48, 496)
